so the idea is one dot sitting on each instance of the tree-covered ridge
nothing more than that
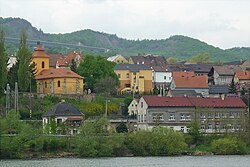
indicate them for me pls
(178, 46)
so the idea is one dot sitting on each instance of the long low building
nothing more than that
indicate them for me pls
(214, 115)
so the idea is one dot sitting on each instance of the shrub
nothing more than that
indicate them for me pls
(228, 146)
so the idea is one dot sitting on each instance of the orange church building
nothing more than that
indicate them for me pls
(54, 81)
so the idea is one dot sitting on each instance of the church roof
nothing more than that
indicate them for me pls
(57, 73)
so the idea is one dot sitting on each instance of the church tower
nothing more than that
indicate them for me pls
(40, 58)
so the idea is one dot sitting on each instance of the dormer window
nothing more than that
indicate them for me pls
(43, 64)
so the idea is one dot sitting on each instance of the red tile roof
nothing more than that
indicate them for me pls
(162, 101)
(185, 74)
(243, 75)
(189, 81)
(233, 102)
(40, 52)
(53, 58)
(57, 73)
(63, 60)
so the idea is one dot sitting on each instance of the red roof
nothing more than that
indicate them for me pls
(63, 60)
(183, 74)
(191, 81)
(57, 73)
(243, 75)
(162, 101)
(232, 102)
(40, 52)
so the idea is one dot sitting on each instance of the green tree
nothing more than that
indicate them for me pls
(106, 86)
(24, 59)
(171, 60)
(122, 128)
(24, 135)
(93, 68)
(194, 132)
(126, 102)
(13, 75)
(73, 66)
(3, 65)
(232, 87)
(200, 58)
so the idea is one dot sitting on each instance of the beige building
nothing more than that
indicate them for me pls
(119, 59)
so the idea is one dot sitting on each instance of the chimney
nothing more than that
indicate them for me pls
(222, 97)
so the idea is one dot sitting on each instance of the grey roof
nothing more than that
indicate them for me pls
(131, 67)
(63, 109)
(228, 70)
(235, 62)
(218, 89)
(200, 68)
(190, 93)
(149, 60)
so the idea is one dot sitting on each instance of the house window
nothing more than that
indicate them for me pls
(58, 84)
(58, 121)
(217, 115)
(202, 115)
(231, 115)
(209, 115)
(43, 64)
(145, 120)
(237, 115)
(187, 117)
(165, 77)
(127, 75)
(203, 127)
(161, 118)
(119, 75)
(141, 104)
(182, 117)
(210, 126)
(182, 128)
(46, 85)
(171, 116)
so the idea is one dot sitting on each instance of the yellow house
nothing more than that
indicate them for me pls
(54, 81)
(134, 78)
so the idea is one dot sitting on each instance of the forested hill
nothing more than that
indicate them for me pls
(181, 47)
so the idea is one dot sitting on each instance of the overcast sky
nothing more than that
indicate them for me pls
(222, 23)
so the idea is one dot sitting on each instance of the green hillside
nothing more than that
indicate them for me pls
(181, 47)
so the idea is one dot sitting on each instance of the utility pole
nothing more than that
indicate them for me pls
(7, 99)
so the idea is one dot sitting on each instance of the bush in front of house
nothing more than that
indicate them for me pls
(228, 146)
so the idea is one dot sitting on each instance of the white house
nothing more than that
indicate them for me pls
(133, 107)
(161, 77)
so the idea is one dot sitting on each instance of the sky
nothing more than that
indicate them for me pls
(221, 23)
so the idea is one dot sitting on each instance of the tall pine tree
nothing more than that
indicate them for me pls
(3, 64)
(24, 58)
(232, 87)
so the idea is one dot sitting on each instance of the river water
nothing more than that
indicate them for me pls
(178, 161)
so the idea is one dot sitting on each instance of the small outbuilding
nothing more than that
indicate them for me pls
(63, 118)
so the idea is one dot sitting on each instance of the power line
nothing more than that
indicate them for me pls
(34, 41)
